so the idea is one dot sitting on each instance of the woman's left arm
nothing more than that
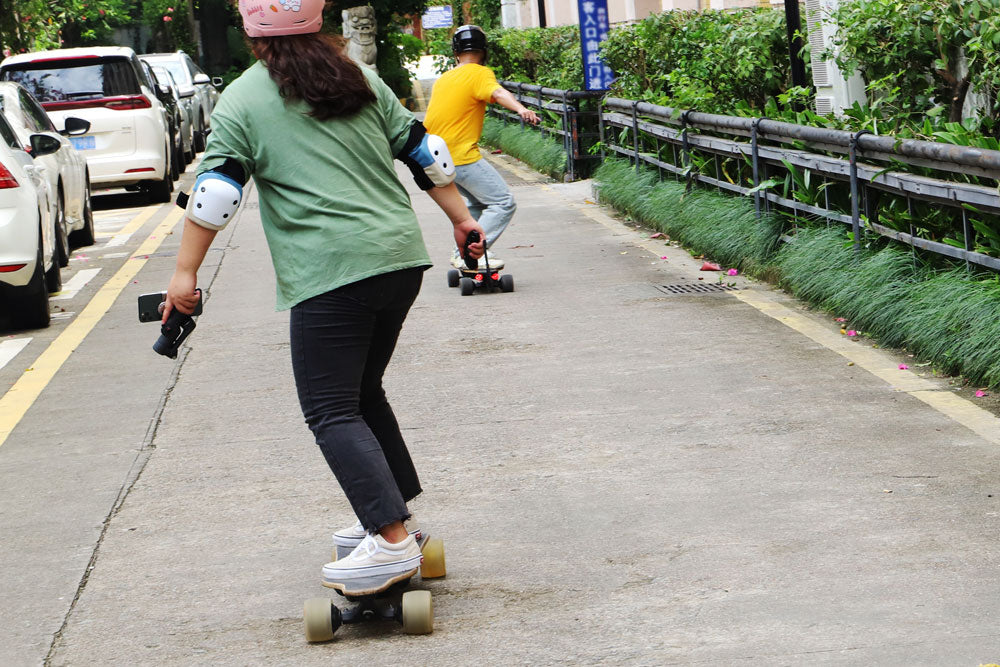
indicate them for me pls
(181, 293)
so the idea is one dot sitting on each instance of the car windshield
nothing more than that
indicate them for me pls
(65, 80)
(175, 68)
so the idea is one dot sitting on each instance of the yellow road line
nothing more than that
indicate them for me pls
(878, 363)
(138, 221)
(22, 395)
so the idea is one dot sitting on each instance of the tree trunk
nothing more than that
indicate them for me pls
(216, 58)
(959, 92)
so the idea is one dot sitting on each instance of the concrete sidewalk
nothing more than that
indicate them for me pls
(620, 476)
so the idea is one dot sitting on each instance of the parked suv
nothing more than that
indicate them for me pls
(127, 144)
(194, 86)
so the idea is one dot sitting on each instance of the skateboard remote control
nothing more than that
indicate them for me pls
(473, 237)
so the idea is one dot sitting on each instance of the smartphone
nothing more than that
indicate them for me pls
(151, 306)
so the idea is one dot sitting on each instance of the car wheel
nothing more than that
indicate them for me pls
(61, 239)
(199, 136)
(29, 305)
(53, 277)
(181, 157)
(85, 235)
(159, 191)
(175, 163)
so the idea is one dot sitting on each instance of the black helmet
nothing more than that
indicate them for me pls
(468, 38)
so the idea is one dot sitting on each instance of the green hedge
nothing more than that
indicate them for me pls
(711, 61)
(545, 56)
(945, 315)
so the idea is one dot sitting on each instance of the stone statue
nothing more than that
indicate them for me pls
(359, 29)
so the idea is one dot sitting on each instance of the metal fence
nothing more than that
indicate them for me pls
(644, 132)
(578, 121)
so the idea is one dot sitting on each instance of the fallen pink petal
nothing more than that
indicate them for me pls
(663, 256)
(904, 367)
(840, 319)
(710, 266)
(733, 272)
(980, 393)
(657, 235)
(852, 332)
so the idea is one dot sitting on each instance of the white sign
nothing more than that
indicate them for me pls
(437, 17)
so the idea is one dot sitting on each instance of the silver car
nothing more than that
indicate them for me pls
(198, 92)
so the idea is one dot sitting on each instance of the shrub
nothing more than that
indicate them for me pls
(709, 60)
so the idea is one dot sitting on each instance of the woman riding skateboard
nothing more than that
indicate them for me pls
(318, 134)
(456, 113)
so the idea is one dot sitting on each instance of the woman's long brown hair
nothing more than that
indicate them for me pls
(315, 69)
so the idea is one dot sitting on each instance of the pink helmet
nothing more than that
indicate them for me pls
(273, 18)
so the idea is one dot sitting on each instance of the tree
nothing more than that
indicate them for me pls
(32, 25)
(932, 51)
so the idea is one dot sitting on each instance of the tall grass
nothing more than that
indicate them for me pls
(544, 154)
(724, 228)
(942, 313)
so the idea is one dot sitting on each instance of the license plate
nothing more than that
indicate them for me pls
(83, 143)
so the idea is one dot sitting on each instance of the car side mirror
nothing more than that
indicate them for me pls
(44, 144)
(185, 92)
(201, 78)
(217, 81)
(75, 126)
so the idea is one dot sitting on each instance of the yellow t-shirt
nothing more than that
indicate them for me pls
(457, 107)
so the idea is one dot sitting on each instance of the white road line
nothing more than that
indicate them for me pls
(10, 347)
(114, 255)
(117, 240)
(75, 284)
(65, 315)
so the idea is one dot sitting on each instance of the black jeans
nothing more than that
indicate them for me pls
(341, 343)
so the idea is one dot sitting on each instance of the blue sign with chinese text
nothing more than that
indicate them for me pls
(594, 28)
(437, 17)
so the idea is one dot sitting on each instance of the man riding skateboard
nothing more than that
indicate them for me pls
(455, 113)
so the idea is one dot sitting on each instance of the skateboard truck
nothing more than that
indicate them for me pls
(471, 277)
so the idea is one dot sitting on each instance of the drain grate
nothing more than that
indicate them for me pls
(696, 288)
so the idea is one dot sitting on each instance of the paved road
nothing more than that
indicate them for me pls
(621, 475)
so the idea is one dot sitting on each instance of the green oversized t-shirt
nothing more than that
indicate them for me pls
(332, 208)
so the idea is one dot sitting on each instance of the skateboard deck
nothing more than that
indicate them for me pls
(379, 598)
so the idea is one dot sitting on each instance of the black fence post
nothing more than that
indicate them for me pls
(754, 130)
(568, 143)
(600, 126)
(520, 94)
(855, 204)
(635, 133)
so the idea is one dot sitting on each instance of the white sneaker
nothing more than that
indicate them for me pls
(374, 557)
(495, 262)
(347, 539)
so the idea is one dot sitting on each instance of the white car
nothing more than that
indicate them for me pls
(65, 170)
(127, 144)
(29, 262)
(197, 90)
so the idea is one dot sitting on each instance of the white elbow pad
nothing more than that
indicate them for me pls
(214, 200)
(439, 168)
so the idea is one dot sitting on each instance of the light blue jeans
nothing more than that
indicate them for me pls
(488, 197)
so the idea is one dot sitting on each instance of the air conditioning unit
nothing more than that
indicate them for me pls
(825, 105)
(834, 92)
